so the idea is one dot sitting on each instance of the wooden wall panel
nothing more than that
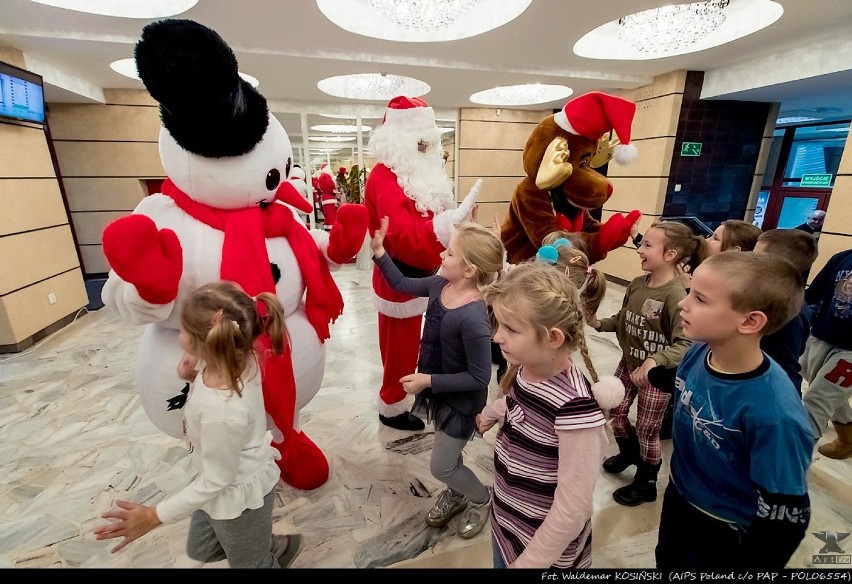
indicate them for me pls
(109, 159)
(505, 115)
(644, 193)
(28, 311)
(495, 189)
(494, 135)
(655, 159)
(94, 260)
(35, 255)
(89, 227)
(27, 204)
(104, 194)
(486, 163)
(70, 121)
(24, 152)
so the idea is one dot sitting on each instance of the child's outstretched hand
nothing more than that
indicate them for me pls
(377, 243)
(134, 521)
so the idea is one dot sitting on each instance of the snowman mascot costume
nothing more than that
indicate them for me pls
(223, 214)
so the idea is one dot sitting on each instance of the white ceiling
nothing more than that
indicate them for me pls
(288, 45)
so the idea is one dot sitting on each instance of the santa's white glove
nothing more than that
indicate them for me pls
(445, 222)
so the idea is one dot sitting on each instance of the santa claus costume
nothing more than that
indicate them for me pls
(328, 195)
(410, 187)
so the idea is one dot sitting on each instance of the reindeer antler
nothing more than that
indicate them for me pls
(605, 150)
(555, 167)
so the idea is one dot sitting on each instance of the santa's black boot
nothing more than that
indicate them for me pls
(628, 454)
(643, 489)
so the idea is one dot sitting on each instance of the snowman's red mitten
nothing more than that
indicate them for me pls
(348, 234)
(148, 258)
(615, 232)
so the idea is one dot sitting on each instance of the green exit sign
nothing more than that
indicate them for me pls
(690, 149)
(816, 180)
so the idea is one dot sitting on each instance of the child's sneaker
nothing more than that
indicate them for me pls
(445, 508)
(474, 518)
(285, 548)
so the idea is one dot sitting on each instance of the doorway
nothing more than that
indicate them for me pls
(800, 173)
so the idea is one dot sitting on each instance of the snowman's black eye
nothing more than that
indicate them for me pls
(273, 179)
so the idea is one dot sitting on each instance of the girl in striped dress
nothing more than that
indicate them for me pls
(549, 447)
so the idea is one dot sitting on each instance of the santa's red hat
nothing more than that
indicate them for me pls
(594, 114)
(409, 113)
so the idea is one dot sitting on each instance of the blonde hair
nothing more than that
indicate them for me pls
(739, 233)
(796, 246)
(222, 323)
(480, 249)
(765, 282)
(690, 248)
(575, 238)
(590, 281)
(546, 299)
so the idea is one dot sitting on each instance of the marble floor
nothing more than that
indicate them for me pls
(73, 437)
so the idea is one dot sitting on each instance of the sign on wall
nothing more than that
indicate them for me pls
(690, 149)
(816, 180)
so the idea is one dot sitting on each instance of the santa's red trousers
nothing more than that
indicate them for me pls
(399, 345)
(329, 212)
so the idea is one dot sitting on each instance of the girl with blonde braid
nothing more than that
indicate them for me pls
(551, 441)
(230, 498)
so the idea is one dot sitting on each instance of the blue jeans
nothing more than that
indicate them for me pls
(499, 563)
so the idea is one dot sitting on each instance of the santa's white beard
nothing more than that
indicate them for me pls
(420, 174)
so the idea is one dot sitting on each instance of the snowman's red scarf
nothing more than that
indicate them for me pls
(244, 257)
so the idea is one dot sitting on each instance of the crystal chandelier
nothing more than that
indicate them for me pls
(422, 15)
(527, 94)
(671, 28)
(376, 86)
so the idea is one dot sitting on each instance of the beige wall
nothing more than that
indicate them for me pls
(41, 282)
(837, 230)
(642, 184)
(491, 145)
(105, 152)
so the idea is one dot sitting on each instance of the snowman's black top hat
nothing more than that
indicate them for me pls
(204, 103)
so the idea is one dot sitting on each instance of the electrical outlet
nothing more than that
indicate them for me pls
(51, 298)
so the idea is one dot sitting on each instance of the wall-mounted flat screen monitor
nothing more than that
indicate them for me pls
(21, 94)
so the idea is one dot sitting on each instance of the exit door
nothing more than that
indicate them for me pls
(789, 207)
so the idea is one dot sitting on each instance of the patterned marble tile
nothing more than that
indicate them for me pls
(73, 437)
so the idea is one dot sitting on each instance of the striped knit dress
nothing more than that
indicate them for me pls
(526, 457)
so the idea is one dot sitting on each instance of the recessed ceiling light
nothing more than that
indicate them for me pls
(331, 138)
(372, 86)
(528, 94)
(677, 30)
(124, 8)
(349, 117)
(418, 21)
(339, 128)
(127, 67)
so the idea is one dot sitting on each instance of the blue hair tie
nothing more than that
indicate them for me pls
(549, 254)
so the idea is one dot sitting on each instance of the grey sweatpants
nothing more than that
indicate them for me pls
(245, 541)
(828, 371)
(447, 465)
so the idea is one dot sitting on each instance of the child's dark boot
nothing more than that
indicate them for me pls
(643, 489)
(628, 453)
